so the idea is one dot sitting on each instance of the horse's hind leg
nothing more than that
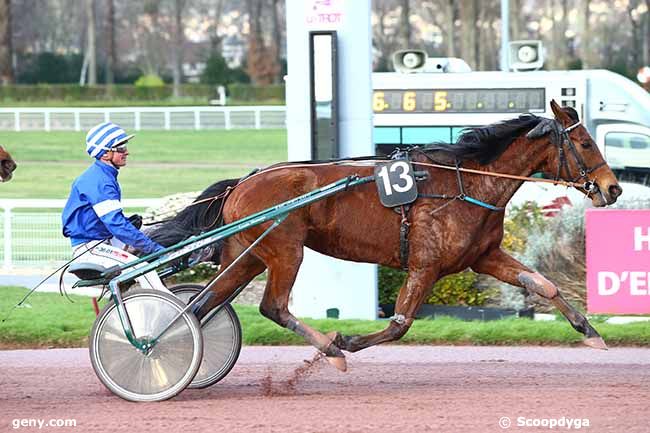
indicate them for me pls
(242, 273)
(502, 266)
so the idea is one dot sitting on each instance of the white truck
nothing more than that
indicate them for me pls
(419, 108)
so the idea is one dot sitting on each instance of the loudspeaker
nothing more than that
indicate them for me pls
(526, 55)
(407, 61)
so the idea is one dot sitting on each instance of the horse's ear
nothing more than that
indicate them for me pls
(561, 115)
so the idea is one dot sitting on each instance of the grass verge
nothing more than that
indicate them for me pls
(52, 321)
(160, 162)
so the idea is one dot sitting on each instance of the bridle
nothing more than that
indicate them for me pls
(563, 163)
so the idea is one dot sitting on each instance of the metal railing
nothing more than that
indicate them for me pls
(30, 232)
(139, 118)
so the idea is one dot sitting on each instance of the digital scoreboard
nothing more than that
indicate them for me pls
(458, 100)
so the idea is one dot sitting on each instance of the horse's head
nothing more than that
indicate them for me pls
(575, 156)
(7, 165)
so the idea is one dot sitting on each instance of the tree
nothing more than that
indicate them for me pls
(405, 25)
(216, 71)
(110, 40)
(469, 18)
(585, 35)
(261, 67)
(212, 9)
(452, 12)
(383, 38)
(647, 33)
(177, 69)
(6, 51)
(92, 45)
(276, 31)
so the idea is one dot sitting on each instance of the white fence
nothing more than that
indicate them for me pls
(139, 118)
(31, 231)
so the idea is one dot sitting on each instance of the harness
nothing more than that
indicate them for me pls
(563, 163)
(560, 136)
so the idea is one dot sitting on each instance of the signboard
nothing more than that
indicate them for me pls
(396, 183)
(618, 261)
(324, 14)
(458, 100)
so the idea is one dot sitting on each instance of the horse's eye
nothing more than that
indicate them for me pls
(586, 144)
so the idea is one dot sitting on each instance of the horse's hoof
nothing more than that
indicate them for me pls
(595, 343)
(339, 362)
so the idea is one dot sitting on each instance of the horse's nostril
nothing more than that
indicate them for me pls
(615, 190)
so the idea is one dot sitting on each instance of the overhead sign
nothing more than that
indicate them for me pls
(324, 14)
(618, 261)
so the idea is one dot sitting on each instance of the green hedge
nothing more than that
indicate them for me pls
(249, 92)
(456, 289)
(73, 92)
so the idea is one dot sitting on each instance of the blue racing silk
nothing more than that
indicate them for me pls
(94, 211)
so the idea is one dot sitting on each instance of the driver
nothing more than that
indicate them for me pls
(93, 217)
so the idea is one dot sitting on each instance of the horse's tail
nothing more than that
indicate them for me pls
(204, 214)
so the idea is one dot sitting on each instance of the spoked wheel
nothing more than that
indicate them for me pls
(221, 339)
(162, 372)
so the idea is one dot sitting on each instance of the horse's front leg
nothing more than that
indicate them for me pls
(505, 268)
(417, 286)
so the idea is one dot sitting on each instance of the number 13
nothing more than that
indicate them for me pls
(388, 187)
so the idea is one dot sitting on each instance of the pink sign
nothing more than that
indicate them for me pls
(324, 14)
(618, 261)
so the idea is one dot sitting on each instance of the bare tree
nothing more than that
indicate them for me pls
(383, 37)
(514, 13)
(405, 24)
(150, 37)
(468, 16)
(637, 26)
(452, 13)
(212, 8)
(262, 68)
(178, 46)
(110, 40)
(6, 51)
(585, 35)
(276, 33)
(91, 49)
(646, 39)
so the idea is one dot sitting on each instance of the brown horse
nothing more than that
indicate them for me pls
(446, 235)
(7, 165)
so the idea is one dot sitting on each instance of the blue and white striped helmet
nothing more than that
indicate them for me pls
(104, 137)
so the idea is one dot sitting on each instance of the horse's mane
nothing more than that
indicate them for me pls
(486, 143)
(194, 219)
(482, 144)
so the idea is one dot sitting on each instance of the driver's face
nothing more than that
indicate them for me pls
(118, 157)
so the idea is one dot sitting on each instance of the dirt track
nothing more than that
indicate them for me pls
(387, 389)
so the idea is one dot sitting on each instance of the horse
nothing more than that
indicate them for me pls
(447, 234)
(7, 165)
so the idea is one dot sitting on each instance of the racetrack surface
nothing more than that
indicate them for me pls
(389, 388)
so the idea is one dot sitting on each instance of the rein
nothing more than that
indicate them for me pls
(506, 176)
(563, 165)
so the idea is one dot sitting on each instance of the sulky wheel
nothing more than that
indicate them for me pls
(162, 372)
(221, 338)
